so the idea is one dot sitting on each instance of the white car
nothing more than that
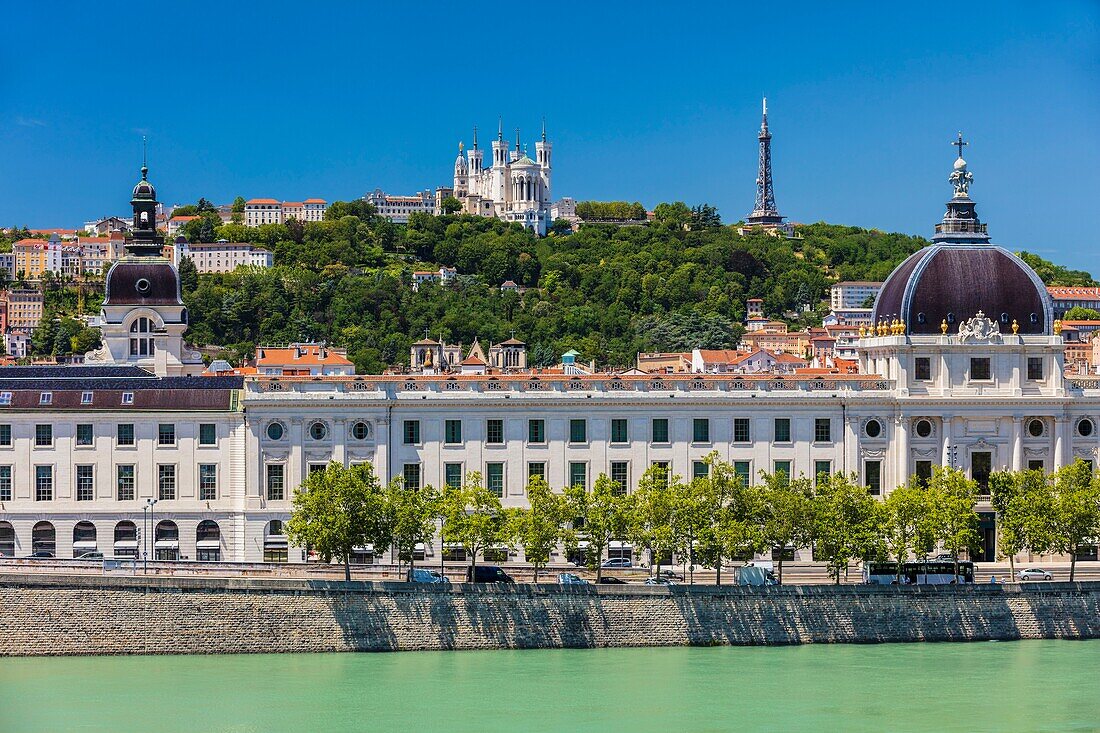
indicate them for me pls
(1034, 574)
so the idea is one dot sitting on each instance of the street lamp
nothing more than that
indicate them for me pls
(147, 522)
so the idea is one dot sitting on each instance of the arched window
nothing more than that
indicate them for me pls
(167, 541)
(43, 539)
(208, 541)
(126, 544)
(141, 342)
(7, 540)
(275, 543)
(83, 538)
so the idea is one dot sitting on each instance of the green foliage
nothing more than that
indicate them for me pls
(473, 517)
(598, 516)
(1023, 502)
(451, 205)
(540, 526)
(652, 516)
(907, 523)
(410, 515)
(338, 509)
(1075, 510)
(1080, 313)
(1052, 274)
(846, 523)
(788, 515)
(63, 336)
(610, 211)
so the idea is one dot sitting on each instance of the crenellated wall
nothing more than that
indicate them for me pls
(62, 615)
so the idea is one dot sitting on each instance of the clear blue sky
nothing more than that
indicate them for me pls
(644, 101)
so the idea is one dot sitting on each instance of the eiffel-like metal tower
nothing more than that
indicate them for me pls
(765, 213)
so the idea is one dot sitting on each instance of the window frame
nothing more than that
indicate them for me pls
(620, 431)
(272, 491)
(208, 492)
(118, 435)
(697, 435)
(213, 430)
(738, 423)
(43, 432)
(494, 431)
(574, 424)
(494, 477)
(84, 441)
(536, 431)
(776, 432)
(166, 438)
(167, 482)
(823, 430)
(43, 491)
(119, 478)
(84, 485)
(922, 364)
(985, 361)
(410, 432)
(653, 433)
(1039, 362)
(452, 432)
(872, 479)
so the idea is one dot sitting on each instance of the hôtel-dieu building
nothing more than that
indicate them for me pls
(967, 372)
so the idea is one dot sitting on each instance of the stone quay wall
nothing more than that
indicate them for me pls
(63, 615)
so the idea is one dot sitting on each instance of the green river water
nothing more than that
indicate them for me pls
(985, 686)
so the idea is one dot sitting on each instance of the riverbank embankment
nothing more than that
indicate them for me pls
(65, 615)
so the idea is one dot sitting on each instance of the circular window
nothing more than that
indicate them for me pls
(275, 431)
(1035, 428)
(924, 428)
(1085, 428)
(873, 428)
(318, 431)
(143, 285)
(360, 431)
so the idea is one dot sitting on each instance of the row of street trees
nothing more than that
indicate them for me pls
(702, 522)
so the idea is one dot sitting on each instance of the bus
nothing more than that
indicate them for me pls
(932, 572)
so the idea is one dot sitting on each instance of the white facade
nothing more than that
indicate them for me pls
(852, 294)
(398, 209)
(225, 256)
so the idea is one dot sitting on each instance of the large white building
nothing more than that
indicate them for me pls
(513, 188)
(852, 294)
(223, 256)
(258, 212)
(964, 368)
(398, 209)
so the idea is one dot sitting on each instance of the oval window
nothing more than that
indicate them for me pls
(360, 431)
(1085, 428)
(1035, 428)
(921, 318)
(924, 428)
(873, 428)
(275, 431)
(143, 285)
(318, 431)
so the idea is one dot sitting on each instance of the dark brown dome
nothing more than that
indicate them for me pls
(143, 282)
(952, 282)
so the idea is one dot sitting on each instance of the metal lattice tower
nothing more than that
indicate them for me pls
(765, 211)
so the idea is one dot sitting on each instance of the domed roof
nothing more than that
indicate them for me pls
(144, 190)
(146, 281)
(952, 282)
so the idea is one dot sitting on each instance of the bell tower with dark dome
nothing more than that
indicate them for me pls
(143, 317)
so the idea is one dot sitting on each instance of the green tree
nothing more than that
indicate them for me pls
(1023, 502)
(450, 205)
(676, 214)
(846, 523)
(652, 519)
(1075, 519)
(598, 517)
(1080, 313)
(540, 526)
(338, 509)
(473, 517)
(953, 497)
(788, 513)
(189, 275)
(238, 205)
(907, 523)
(411, 514)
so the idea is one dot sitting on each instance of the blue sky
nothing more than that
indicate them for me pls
(643, 101)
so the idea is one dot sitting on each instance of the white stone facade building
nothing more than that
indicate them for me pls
(225, 256)
(852, 294)
(398, 209)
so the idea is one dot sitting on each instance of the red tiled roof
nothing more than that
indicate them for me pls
(261, 201)
(307, 354)
(183, 218)
(315, 201)
(1071, 293)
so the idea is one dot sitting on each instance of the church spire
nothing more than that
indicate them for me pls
(500, 129)
(517, 139)
(764, 212)
(544, 129)
(475, 137)
(960, 223)
(144, 241)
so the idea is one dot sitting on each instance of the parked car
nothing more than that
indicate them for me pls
(671, 574)
(40, 555)
(660, 580)
(611, 580)
(488, 574)
(425, 575)
(1034, 574)
(90, 555)
(571, 579)
(618, 562)
(944, 557)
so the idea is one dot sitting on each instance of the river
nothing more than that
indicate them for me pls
(985, 686)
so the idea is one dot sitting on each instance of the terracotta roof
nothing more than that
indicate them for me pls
(287, 204)
(315, 201)
(93, 240)
(720, 356)
(1064, 293)
(183, 218)
(53, 231)
(1072, 324)
(306, 354)
(473, 361)
(512, 342)
(783, 356)
(261, 201)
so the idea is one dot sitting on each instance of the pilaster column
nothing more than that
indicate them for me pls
(948, 437)
(901, 447)
(1016, 426)
(1060, 442)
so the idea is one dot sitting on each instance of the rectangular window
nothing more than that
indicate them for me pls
(125, 434)
(43, 483)
(85, 398)
(979, 368)
(822, 470)
(45, 398)
(315, 468)
(5, 483)
(742, 469)
(127, 398)
(536, 431)
(276, 482)
(660, 430)
(166, 482)
(700, 430)
(784, 468)
(620, 474)
(782, 430)
(578, 430)
(981, 465)
(411, 474)
(823, 430)
(923, 472)
(208, 433)
(43, 435)
(699, 469)
(208, 481)
(578, 474)
(85, 483)
(412, 432)
(741, 430)
(1035, 368)
(452, 475)
(166, 434)
(660, 472)
(1035, 465)
(536, 468)
(494, 431)
(872, 477)
(619, 432)
(494, 478)
(5, 435)
(5, 398)
(452, 431)
(922, 368)
(125, 482)
(84, 434)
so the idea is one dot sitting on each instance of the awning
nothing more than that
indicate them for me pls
(84, 545)
(126, 544)
(616, 544)
(167, 544)
(419, 546)
(452, 546)
(368, 548)
(208, 544)
(275, 541)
